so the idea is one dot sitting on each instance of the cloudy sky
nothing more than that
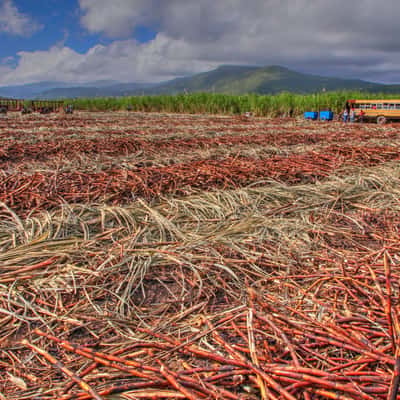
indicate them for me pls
(155, 40)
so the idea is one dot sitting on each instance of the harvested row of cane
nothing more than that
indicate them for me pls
(376, 189)
(165, 126)
(103, 162)
(143, 132)
(123, 146)
(157, 120)
(15, 152)
(25, 193)
(169, 129)
(137, 124)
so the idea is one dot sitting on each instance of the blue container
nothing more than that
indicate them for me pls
(326, 115)
(311, 115)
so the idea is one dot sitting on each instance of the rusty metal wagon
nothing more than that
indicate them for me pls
(41, 106)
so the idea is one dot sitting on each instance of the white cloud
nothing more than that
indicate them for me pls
(119, 19)
(5, 70)
(124, 60)
(331, 38)
(344, 38)
(207, 20)
(15, 23)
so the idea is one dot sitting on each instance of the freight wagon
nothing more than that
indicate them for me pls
(11, 105)
(41, 106)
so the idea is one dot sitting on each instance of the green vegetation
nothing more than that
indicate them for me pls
(208, 103)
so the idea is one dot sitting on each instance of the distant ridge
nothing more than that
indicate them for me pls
(228, 79)
(263, 80)
(116, 90)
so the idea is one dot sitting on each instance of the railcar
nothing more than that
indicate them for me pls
(41, 106)
(11, 105)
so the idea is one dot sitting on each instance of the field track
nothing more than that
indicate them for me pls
(163, 256)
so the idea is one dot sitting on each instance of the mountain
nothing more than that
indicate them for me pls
(120, 89)
(230, 79)
(39, 90)
(26, 91)
(263, 80)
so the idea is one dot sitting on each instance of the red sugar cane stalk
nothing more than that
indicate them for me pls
(394, 386)
(106, 359)
(57, 364)
(169, 377)
(388, 303)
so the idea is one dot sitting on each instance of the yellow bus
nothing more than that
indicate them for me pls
(380, 111)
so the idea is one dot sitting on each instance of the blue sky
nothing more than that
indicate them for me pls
(58, 23)
(153, 40)
(47, 24)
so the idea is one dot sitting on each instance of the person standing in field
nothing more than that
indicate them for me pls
(361, 116)
(345, 115)
(352, 115)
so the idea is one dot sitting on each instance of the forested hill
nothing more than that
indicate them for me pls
(263, 80)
